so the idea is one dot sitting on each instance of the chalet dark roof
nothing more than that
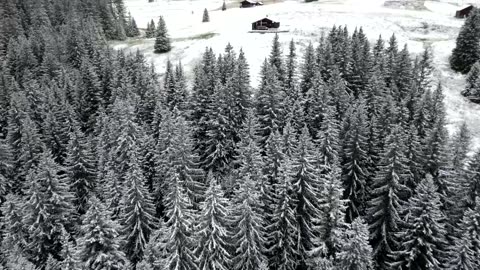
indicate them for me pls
(464, 12)
(250, 3)
(265, 20)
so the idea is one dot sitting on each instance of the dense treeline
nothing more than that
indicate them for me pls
(340, 162)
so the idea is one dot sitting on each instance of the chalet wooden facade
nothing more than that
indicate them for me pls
(250, 3)
(265, 24)
(464, 12)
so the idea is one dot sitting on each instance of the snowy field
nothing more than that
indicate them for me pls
(432, 25)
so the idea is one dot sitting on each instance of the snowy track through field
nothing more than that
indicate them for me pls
(433, 25)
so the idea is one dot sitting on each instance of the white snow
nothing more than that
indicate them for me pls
(433, 25)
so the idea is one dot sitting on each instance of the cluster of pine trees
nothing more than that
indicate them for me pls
(340, 162)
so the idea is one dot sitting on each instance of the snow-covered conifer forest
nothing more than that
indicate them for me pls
(335, 152)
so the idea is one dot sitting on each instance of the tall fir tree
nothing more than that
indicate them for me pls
(356, 252)
(422, 239)
(291, 72)
(100, 246)
(283, 229)
(48, 209)
(331, 222)
(306, 184)
(138, 218)
(213, 250)
(276, 58)
(206, 17)
(354, 161)
(472, 89)
(389, 191)
(179, 247)
(269, 103)
(467, 51)
(162, 40)
(80, 169)
(308, 69)
(151, 30)
(249, 238)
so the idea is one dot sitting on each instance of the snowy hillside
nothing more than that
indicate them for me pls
(432, 25)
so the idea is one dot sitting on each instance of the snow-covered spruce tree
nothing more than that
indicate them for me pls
(174, 157)
(472, 187)
(240, 86)
(403, 73)
(12, 224)
(315, 103)
(205, 17)
(461, 255)
(339, 97)
(6, 166)
(464, 252)
(330, 223)
(269, 103)
(460, 145)
(120, 13)
(283, 229)
(151, 29)
(155, 252)
(100, 245)
(248, 235)
(472, 89)
(80, 169)
(276, 59)
(414, 155)
(435, 153)
(69, 253)
(132, 28)
(467, 49)
(328, 142)
(48, 209)
(90, 94)
(184, 162)
(107, 19)
(25, 142)
(15, 260)
(391, 56)
(172, 98)
(354, 161)
(424, 71)
(202, 98)
(219, 138)
(251, 201)
(224, 6)
(138, 217)
(306, 185)
(162, 40)
(355, 251)
(181, 88)
(308, 69)
(291, 72)
(213, 235)
(178, 244)
(125, 146)
(249, 160)
(422, 237)
(386, 197)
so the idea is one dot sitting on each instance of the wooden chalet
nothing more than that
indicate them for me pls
(464, 12)
(250, 3)
(265, 24)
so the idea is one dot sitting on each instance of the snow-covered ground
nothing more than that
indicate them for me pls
(433, 25)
